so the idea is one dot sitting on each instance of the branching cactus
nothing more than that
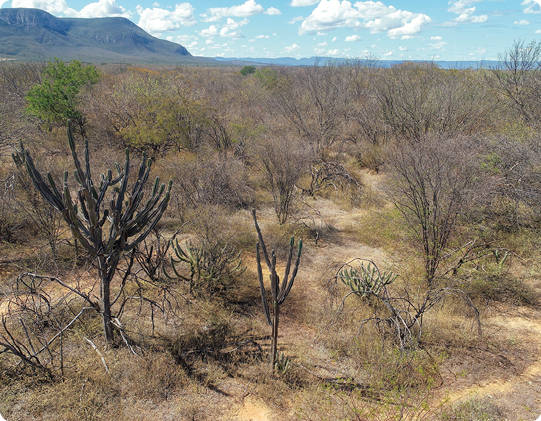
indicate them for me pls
(367, 280)
(211, 269)
(278, 292)
(106, 229)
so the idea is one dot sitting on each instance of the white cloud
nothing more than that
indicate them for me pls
(466, 13)
(291, 48)
(272, 11)
(183, 39)
(403, 48)
(294, 20)
(531, 6)
(460, 6)
(480, 51)
(101, 8)
(437, 45)
(261, 36)
(211, 31)
(299, 3)
(435, 38)
(157, 20)
(249, 8)
(55, 7)
(321, 34)
(334, 53)
(521, 22)
(229, 30)
(156, 4)
(388, 53)
(333, 14)
(353, 38)
(406, 31)
(538, 31)
(334, 39)
(322, 44)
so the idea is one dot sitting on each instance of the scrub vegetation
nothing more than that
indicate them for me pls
(402, 205)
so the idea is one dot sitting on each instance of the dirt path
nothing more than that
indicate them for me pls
(521, 387)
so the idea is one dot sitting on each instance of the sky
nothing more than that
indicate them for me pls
(440, 30)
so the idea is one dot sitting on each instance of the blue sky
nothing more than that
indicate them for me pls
(456, 30)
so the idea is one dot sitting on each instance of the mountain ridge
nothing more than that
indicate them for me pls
(33, 34)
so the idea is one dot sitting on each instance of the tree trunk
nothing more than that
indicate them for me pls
(274, 343)
(105, 298)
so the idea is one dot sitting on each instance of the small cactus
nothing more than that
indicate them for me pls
(282, 364)
(208, 268)
(367, 280)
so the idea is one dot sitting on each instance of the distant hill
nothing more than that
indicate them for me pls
(289, 61)
(33, 34)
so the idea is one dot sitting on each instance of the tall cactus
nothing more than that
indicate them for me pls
(89, 216)
(278, 292)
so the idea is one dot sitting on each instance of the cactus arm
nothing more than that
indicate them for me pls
(260, 236)
(50, 196)
(151, 225)
(124, 184)
(261, 286)
(273, 277)
(177, 274)
(284, 295)
(80, 175)
(288, 267)
(89, 184)
(56, 192)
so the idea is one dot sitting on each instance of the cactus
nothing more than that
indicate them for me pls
(500, 260)
(278, 292)
(208, 266)
(89, 216)
(366, 281)
(282, 364)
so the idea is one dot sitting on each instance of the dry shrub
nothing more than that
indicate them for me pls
(449, 324)
(321, 403)
(371, 156)
(512, 176)
(474, 410)
(154, 376)
(88, 393)
(501, 287)
(213, 180)
(284, 160)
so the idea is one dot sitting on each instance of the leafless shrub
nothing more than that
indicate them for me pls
(418, 99)
(284, 161)
(314, 101)
(326, 174)
(209, 180)
(512, 178)
(517, 77)
(432, 184)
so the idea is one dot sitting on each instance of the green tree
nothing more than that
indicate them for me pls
(55, 100)
(246, 70)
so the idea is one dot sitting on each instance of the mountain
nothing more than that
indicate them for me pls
(33, 34)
